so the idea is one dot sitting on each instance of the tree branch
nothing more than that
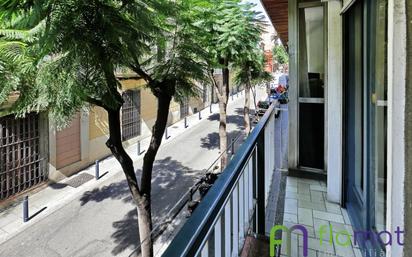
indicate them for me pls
(215, 85)
(95, 101)
(138, 69)
(173, 48)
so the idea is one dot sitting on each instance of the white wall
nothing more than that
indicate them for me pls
(334, 103)
(293, 82)
(396, 119)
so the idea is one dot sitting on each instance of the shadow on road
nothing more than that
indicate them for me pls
(126, 234)
(239, 111)
(233, 119)
(211, 141)
(114, 191)
(171, 180)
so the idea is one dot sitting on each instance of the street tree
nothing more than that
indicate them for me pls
(259, 76)
(248, 60)
(224, 39)
(280, 54)
(251, 73)
(81, 46)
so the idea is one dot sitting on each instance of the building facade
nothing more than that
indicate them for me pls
(33, 151)
(90, 130)
(269, 61)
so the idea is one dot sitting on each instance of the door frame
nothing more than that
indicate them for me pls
(313, 100)
(356, 220)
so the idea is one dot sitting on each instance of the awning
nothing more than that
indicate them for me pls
(278, 14)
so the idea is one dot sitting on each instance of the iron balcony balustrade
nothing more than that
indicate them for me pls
(235, 205)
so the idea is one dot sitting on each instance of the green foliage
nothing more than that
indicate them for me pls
(250, 61)
(62, 55)
(230, 30)
(261, 76)
(73, 40)
(179, 54)
(280, 54)
(17, 58)
(77, 45)
(253, 71)
(258, 75)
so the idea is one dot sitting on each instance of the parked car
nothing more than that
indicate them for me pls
(262, 107)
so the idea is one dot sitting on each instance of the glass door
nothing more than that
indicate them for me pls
(354, 125)
(311, 86)
(365, 115)
(378, 115)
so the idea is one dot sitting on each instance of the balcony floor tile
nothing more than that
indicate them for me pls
(306, 200)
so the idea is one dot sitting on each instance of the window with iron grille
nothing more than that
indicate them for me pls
(131, 114)
(184, 109)
(204, 93)
(21, 163)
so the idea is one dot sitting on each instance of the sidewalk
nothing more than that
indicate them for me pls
(55, 196)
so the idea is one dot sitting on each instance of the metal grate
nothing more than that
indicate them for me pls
(21, 164)
(204, 93)
(79, 180)
(131, 114)
(184, 109)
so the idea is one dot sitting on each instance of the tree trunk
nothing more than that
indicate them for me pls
(144, 206)
(246, 109)
(144, 219)
(253, 88)
(158, 130)
(224, 92)
(141, 197)
(114, 143)
(223, 133)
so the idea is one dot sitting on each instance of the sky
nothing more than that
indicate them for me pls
(259, 8)
(267, 37)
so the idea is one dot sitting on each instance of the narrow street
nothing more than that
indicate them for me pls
(103, 222)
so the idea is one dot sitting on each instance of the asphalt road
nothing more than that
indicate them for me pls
(103, 222)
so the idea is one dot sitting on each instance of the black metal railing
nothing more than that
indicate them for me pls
(235, 205)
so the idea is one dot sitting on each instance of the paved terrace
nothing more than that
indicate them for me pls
(306, 204)
(295, 201)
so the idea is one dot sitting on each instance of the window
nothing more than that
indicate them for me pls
(204, 93)
(22, 165)
(131, 115)
(311, 67)
(184, 109)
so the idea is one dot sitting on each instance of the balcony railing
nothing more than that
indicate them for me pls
(235, 205)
